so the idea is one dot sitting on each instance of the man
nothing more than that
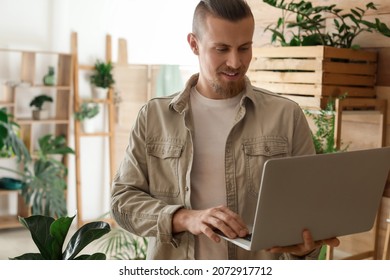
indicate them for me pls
(194, 160)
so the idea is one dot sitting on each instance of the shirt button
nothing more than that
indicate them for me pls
(187, 189)
(267, 149)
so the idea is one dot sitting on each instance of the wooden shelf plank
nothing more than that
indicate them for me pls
(7, 104)
(9, 221)
(7, 192)
(47, 121)
(95, 100)
(96, 134)
(45, 87)
(86, 67)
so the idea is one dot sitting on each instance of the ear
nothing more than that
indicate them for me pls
(193, 42)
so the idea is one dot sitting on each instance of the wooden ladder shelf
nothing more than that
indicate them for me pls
(110, 133)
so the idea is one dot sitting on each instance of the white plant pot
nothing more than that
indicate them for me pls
(56, 157)
(100, 93)
(10, 163)
(88, 126)
(40, 114)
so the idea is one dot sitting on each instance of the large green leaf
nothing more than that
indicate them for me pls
(58, 230)
(29, 256)
(3, 129)
(96, 256)
(39, 227)
(84, 236)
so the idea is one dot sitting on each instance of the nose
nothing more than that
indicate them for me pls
(233, 60)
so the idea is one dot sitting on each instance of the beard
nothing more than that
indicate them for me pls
(230, 88)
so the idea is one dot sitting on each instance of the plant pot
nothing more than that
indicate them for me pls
(40, 114)
(8, 183)
(88, 126)
(310, 75)
(99, 93)
(49, 79)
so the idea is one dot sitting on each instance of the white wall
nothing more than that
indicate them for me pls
(156, 34)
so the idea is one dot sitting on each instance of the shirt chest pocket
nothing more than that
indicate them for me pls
(256, 154)
(163, 165)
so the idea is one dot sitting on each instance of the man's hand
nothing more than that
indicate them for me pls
(206, 221)
(307, 246)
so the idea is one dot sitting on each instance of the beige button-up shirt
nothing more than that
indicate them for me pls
(153, 180)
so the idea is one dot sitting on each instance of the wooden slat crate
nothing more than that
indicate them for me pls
(309, 75)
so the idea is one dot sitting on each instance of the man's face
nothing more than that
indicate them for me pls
(225, 50)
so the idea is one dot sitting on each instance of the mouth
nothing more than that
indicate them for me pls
(230, 75)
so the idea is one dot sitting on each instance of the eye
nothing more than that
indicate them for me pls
(221, 49)
(245, 48)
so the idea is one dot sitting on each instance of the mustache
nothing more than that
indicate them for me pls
(225, 69)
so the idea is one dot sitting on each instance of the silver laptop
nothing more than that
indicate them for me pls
(331, 195)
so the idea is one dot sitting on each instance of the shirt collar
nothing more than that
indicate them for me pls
(180, 102)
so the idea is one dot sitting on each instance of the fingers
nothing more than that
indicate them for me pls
(333, 242)
(307, 246)
(228, 222)
(222, 219)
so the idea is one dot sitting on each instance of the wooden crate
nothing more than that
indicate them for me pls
(309, 75)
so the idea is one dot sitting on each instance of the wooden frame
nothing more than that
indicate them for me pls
(110, 134)
(380, 105)
(309, 75)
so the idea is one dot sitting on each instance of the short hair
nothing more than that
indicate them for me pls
(232, 10)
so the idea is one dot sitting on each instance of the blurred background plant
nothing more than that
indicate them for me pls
(324, 120)
(308, 27)
(120, 244)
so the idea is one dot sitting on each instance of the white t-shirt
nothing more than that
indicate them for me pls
(213, 119)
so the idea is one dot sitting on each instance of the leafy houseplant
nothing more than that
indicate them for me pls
(49, 235)
(10, 143)
(120, 244)
(37, 103)
(49, 78)
(86, 112)
(308, 29)
(315, 63)
(102, 78)
(44, 178)
(324, 121)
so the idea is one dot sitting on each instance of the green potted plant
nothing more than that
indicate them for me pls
(102, 79)
(10, 143)
(309, 63)
(50, 235)
(39, 112)
(44, 178)
(87, 111)
(324, 132)
(308, 28)
(119, 244)
(12, 152)
(49, 78)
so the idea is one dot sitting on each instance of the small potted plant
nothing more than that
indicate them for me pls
(86, 112)
(39, 112)
(49, 78)
(102, 79)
